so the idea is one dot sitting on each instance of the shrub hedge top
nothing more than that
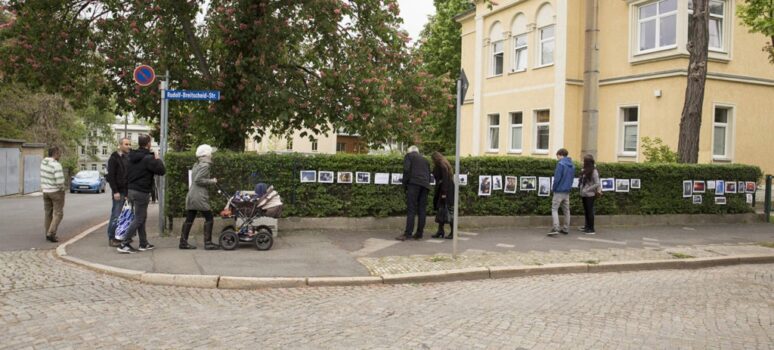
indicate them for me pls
(660, 193)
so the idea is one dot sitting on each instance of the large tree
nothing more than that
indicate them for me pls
(759, 16)
(698, 43)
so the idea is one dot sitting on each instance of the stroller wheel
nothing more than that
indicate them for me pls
(228, 239)
(263, 239)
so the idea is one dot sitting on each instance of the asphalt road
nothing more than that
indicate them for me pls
(21, 219)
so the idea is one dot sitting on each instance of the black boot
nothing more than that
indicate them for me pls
(440, 232)
(208, 245)
(184, 236)
(451, 231)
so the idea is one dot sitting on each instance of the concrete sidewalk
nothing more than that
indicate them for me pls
(350, 253)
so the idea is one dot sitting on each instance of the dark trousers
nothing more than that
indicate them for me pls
(588, 211)
(416, 204)
(115, 212)
(190, 215)
(140, 201)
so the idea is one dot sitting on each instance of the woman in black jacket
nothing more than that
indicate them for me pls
(443, 200)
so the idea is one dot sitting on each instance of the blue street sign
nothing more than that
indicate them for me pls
(144, 75)
(197, 95)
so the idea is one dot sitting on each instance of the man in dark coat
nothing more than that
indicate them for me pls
(117, 167)
(416, 182)
(143, 166)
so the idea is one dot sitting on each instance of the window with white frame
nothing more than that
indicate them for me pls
(494, 132)
(721, 134)
(629, 130)
(83, 150)
(104, 150)
(314, 146)
(717, 14)
(517, 125)
(520, 53)
(542, 130)
(657, 25)
(497, 58)
(93, 166)
(341, 147)
(547, 45)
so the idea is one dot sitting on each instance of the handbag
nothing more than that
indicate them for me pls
(445, 214)
(124, 220)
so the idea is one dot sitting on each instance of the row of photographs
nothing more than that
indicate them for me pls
(719, 200)
(345, 177)
(721, 187)
(544, 185)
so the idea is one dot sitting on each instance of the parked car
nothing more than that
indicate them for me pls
(87, 181)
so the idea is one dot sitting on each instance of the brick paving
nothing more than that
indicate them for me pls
(46, 303)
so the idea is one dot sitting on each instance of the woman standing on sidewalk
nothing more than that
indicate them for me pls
(198, 199)
(589, 189)
(443, 200)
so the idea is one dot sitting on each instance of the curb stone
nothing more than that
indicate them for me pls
(475, 273)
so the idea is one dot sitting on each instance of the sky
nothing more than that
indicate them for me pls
(414, 14)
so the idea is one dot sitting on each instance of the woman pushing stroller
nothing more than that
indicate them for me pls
(198, 199)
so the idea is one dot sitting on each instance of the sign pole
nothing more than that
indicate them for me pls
(462, 89)
(163, 148)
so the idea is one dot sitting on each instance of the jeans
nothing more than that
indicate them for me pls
(588, 211)
(140, 201)
(416, 203)
(561, 200)
(53, 205)
(115, 212)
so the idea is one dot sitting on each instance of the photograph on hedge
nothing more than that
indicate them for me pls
(740, 187)
(528, 183)
(382, 178)
(308, 176)
(510, 184)
(576, 182)
(749, 198)
(720, 187)
(751, 187)
(622, 185)
(497, 183)
(720, 200)
(711, 185)
(698, 186)
(344, 177)
(730, 186)
(687, 188)
(362, 178)
(463, 179)
(608, 184)
(544, 186)
(636, 184)
(432, 180)
(397, 179)
(326, 177)
(697, 199)
(484, 185)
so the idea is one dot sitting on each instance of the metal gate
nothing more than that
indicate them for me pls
(9, 171)
(32, 173)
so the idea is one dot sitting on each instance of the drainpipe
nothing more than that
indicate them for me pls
(590, 127)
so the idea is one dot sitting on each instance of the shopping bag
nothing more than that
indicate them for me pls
(126, 217)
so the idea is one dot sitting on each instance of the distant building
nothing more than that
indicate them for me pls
(334, 142)
(96, 149)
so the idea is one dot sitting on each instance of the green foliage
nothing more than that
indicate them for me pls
(661, 191)
(655, 151)
(759, 16)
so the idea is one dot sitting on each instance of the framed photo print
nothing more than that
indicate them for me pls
(382, 178)
(720, 187)
(740, 187)
(608, 184)
(463, 179)
(362, 177)
(497, 183)
(432, 180)
(308, 176)
(750, 187)
(730, 187)
(484, 185)
(687, 189)
(711, 185)
(622, 185)
(511, 184)
(749, 198)
(576, 182)
(528, 183)
(636, 184)
(720, 200)
(544, 186)
(699, 186)
(344, 177)
(697, 199)
(396, 179)
(326, 177)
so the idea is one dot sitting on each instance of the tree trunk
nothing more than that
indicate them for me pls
(690, 122)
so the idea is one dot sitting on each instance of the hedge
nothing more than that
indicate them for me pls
(660, 193)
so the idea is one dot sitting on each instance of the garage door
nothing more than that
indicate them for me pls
(9, 171)
(32, 173)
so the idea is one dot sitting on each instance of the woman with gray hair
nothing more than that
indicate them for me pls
(198, 199)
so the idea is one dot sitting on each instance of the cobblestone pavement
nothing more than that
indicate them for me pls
(478, 258)
(46, 303)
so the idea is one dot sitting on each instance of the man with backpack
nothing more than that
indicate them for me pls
(563, 177)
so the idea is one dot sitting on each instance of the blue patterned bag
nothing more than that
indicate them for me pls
(126, 217)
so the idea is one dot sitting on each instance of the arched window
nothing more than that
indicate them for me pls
(497, 44)
(546, 35)
(520, 52)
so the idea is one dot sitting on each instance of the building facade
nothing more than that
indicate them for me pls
(526, 59)
(334, 142)
(97, 148)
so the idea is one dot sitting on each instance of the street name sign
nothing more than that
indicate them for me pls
(196, 95)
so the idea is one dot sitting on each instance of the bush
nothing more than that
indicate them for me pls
(661, 191)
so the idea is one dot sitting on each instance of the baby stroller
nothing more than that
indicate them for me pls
(245, 209)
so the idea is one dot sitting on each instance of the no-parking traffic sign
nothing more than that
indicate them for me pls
(144, 75)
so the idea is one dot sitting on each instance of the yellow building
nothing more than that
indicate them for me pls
(526, 59)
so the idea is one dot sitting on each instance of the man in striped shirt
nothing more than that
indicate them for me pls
(53, 185)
